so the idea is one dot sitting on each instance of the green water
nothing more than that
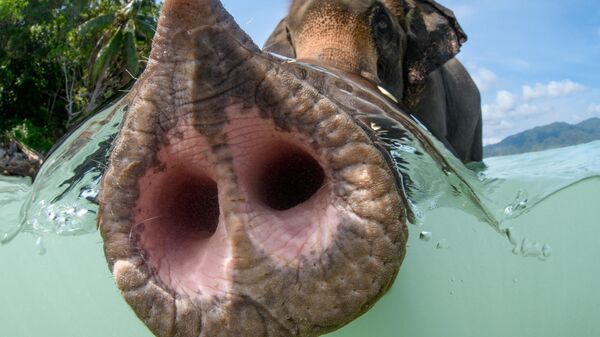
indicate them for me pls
(472, 286)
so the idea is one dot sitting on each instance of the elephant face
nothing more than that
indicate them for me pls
(395, 43)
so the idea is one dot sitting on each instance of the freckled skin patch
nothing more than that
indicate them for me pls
(194, 241)
(331, 33)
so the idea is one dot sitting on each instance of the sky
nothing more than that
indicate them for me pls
(534, 61)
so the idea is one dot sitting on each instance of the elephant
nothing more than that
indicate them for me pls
(249, 195)
(406, 46)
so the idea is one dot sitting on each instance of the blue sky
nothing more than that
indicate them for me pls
(535, 61)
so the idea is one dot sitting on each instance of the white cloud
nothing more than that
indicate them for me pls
(514, 111)
(505, 100)
(551, 89)
(484, 78)
(494, 113)
(594, 108)
(491, 140)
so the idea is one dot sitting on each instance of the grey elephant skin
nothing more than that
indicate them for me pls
(406, 46)
(246, 195)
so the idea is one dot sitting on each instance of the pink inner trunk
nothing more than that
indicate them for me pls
(286, 207)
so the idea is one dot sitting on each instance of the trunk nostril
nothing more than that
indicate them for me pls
(289, 178)
(184, 212)
(193, 206)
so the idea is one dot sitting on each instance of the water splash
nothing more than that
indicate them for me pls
(425, 236)
(62, 200)
(506, 188)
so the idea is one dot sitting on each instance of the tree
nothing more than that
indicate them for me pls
(61, 58)
(117, 54)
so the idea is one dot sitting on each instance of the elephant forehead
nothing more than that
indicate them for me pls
(355, 7)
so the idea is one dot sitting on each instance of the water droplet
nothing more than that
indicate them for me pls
(519, 204)
(41, 249)
(514, 240)
(534, 249)
(425, 236)
(546, 251)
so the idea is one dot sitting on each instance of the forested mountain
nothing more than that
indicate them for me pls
(546, 137)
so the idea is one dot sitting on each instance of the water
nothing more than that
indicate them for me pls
(472, 287)
(509, 250)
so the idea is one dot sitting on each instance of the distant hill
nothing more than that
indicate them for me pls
(546, 137)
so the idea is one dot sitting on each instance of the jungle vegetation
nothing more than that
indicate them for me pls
(61, 59)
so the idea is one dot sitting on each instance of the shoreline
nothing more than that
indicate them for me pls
(16, 159)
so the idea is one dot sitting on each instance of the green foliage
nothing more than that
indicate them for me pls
(60, 59)
(39, 138)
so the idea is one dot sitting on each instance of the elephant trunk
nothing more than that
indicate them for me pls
(239, 201)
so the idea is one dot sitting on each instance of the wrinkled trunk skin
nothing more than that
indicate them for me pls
(244, 196)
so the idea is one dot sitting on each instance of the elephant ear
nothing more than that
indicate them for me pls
(279, 41)
(434, 37)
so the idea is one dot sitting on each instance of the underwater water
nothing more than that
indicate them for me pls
(461, 280)
(507, 250)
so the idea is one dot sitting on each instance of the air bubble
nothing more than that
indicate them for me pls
(425, 236)
(443, 243)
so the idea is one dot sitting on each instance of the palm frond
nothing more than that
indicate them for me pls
(133, 62)
(96, 24)
(107, 53)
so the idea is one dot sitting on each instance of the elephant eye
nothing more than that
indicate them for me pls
(288, 35)
(382, 27)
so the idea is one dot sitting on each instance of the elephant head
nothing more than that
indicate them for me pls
(395, 43)
(245, 195)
